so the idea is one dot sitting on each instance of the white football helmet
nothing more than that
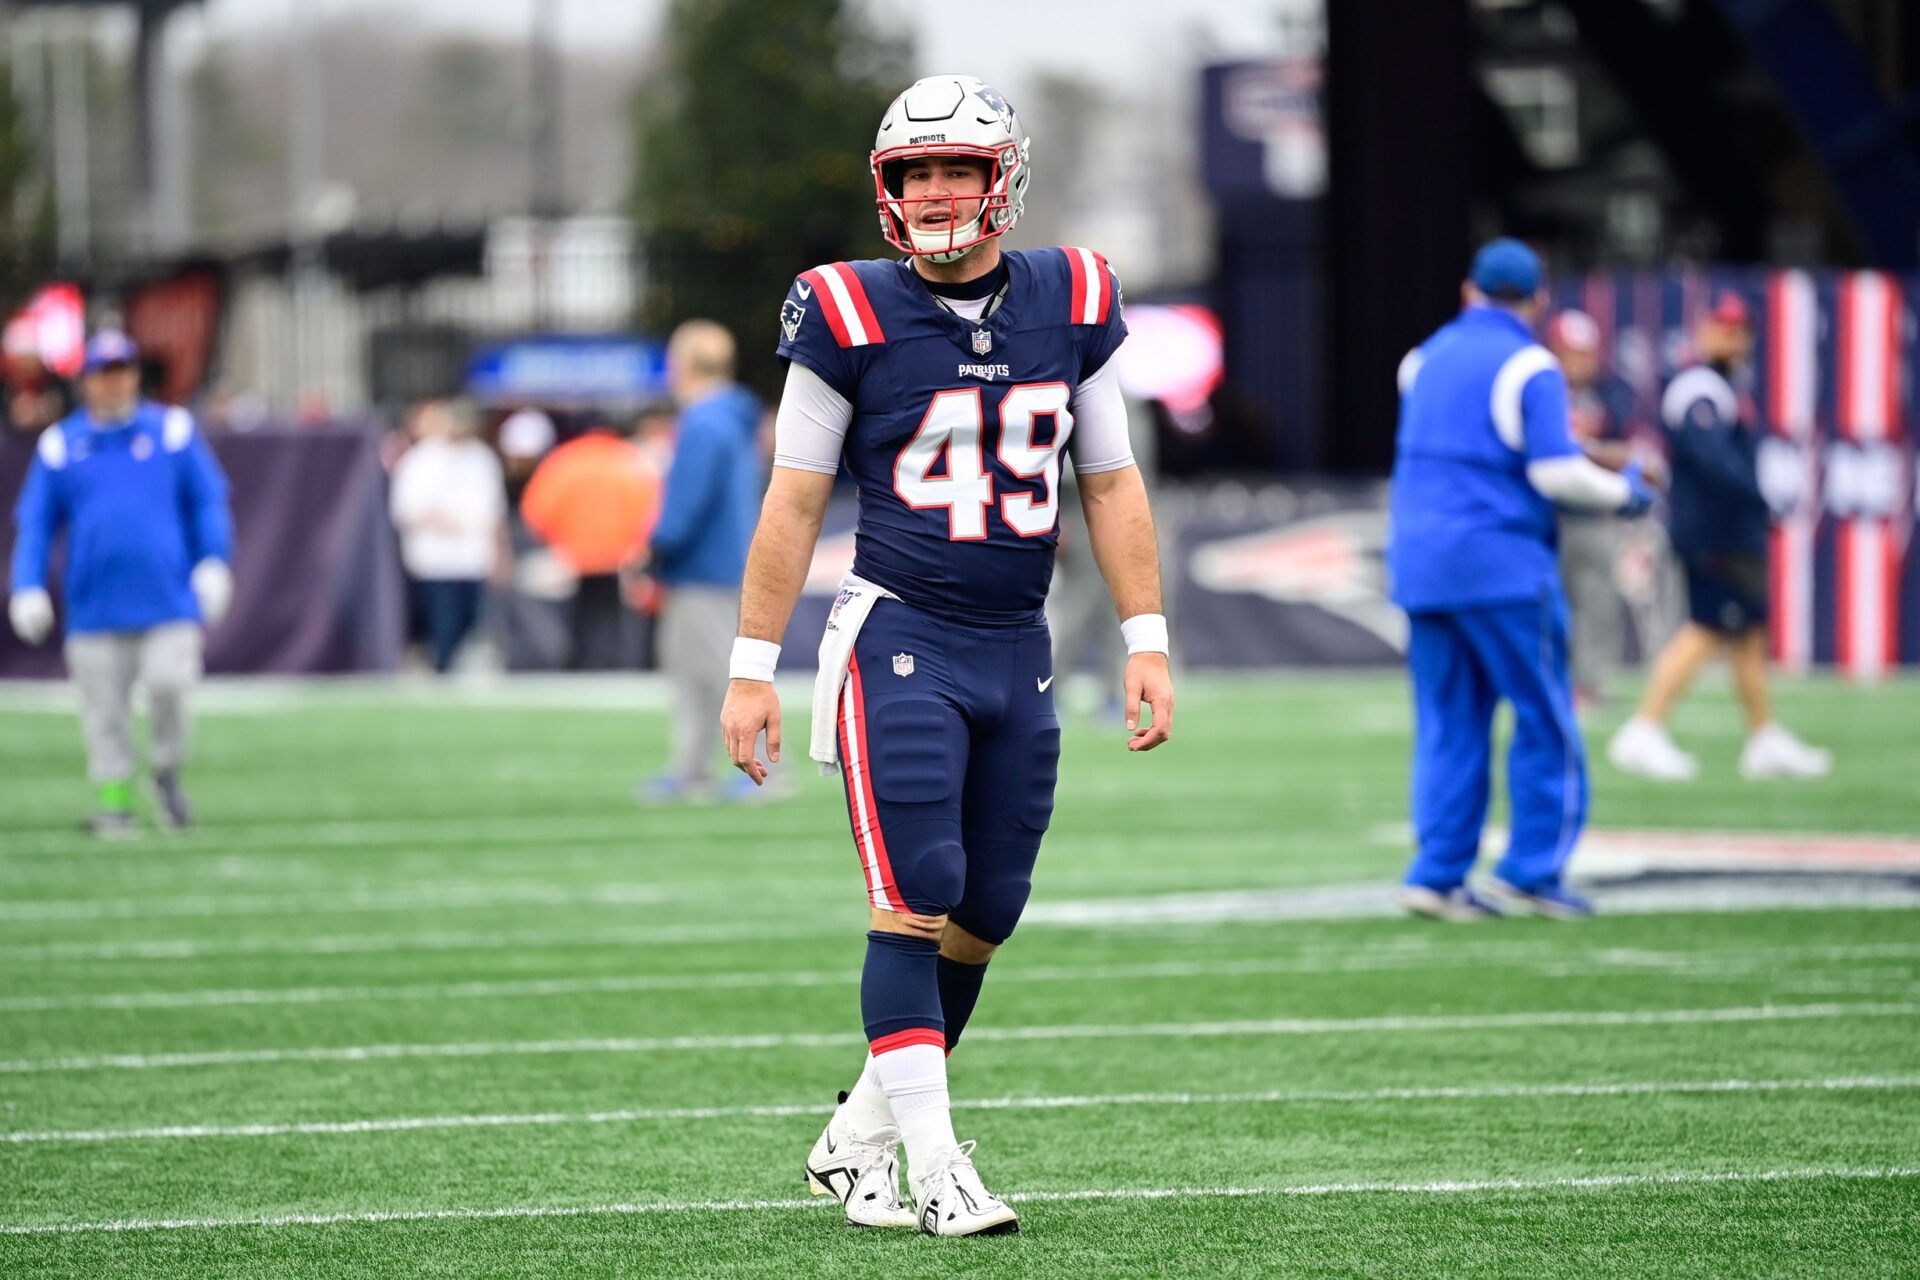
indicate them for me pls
(950, 116)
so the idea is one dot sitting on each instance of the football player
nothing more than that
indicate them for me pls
(951, 383)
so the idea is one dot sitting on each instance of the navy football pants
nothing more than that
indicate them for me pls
(1463, 662)
(950, 749)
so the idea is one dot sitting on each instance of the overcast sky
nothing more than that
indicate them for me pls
(1008, 44)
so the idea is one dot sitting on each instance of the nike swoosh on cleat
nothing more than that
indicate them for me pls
(1044, 683)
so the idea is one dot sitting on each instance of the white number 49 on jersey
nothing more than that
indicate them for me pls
(952, 430)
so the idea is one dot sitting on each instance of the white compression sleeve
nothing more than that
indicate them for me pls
(810, 427)
(1099, 441)
(1578, 483)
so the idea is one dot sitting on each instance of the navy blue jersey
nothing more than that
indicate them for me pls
(1715, 501)
(958, 426)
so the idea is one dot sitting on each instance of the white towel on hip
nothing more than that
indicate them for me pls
(850, 609)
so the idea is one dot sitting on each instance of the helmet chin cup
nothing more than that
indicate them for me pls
(948, 246)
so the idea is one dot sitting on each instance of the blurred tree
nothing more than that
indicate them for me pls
(26, 206)
(235, 151)
(751, 158)
(472, 97)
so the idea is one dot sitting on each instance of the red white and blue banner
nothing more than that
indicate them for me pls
(1833, 382)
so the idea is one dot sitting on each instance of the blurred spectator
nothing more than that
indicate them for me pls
(37, 397)
(593, 501)
(449, 503)
(1720, 523)
(526, 436)
(228, 409)
(699, 548)
(143, 504)
(1598, 407)
(654, 428)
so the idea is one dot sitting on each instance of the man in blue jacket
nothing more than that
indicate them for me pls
(699, 547)
(1484, 457)
(144, 507)
(1719, 525)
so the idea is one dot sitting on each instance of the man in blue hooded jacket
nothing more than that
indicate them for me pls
(1483, 460)
(143, 505)
(699, 549)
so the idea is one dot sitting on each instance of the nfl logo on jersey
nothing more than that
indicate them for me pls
(903, 664)
(982, 342)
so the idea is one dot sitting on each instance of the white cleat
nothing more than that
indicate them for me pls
(863, 1172)
(953, 1202)
(1644, 748)
(1773, 752)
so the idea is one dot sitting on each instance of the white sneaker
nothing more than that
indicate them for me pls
(1773, 752)
(863, 1171)
(1644, 748)
(1462, 906)
(953, 1202)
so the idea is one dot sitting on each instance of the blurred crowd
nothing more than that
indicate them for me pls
(540, 537)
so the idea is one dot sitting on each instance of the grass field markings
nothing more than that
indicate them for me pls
(443, 940)
(1301, 896)
(452, 896)
(1386, 1023)
(1450, 1186)
(830, 878)
(1063, 1102)
(613, 984)
(630, 983)
(460, 829)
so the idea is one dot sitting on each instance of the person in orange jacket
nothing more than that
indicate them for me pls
(594, 501)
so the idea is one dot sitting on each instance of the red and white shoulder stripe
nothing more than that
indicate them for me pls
(843, 299)
(1092, 286)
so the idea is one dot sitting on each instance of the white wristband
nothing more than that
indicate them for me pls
(1145, 633)
(753, 659)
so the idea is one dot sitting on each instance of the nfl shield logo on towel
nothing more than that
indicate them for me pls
(903, 664)
(982, 342)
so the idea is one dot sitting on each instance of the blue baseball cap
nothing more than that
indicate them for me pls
(109, 346)
(1507, 269)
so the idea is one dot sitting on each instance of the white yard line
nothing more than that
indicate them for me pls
(1460, 1186)
(1709, 966)
(633, 1115)
(459, 895)
(430, 940)
(1066, 1031)
(617, 984)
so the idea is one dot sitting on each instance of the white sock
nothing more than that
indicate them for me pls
(914, 1079)
(866, 1110)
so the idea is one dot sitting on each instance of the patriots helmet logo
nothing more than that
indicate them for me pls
(982, 342)
(996, 100)
(791, 314)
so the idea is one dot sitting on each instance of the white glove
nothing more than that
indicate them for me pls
(213, 588)
(31, 613)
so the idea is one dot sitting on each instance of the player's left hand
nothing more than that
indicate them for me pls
(1149, 681)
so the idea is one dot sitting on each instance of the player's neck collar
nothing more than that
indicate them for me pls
(979, 287)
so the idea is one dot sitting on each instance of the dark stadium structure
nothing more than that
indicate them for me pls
(1617, 133)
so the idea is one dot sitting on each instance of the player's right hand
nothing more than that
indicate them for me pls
(752, 707)
(31, 613)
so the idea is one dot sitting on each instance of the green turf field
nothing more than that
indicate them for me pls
(426, 996)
